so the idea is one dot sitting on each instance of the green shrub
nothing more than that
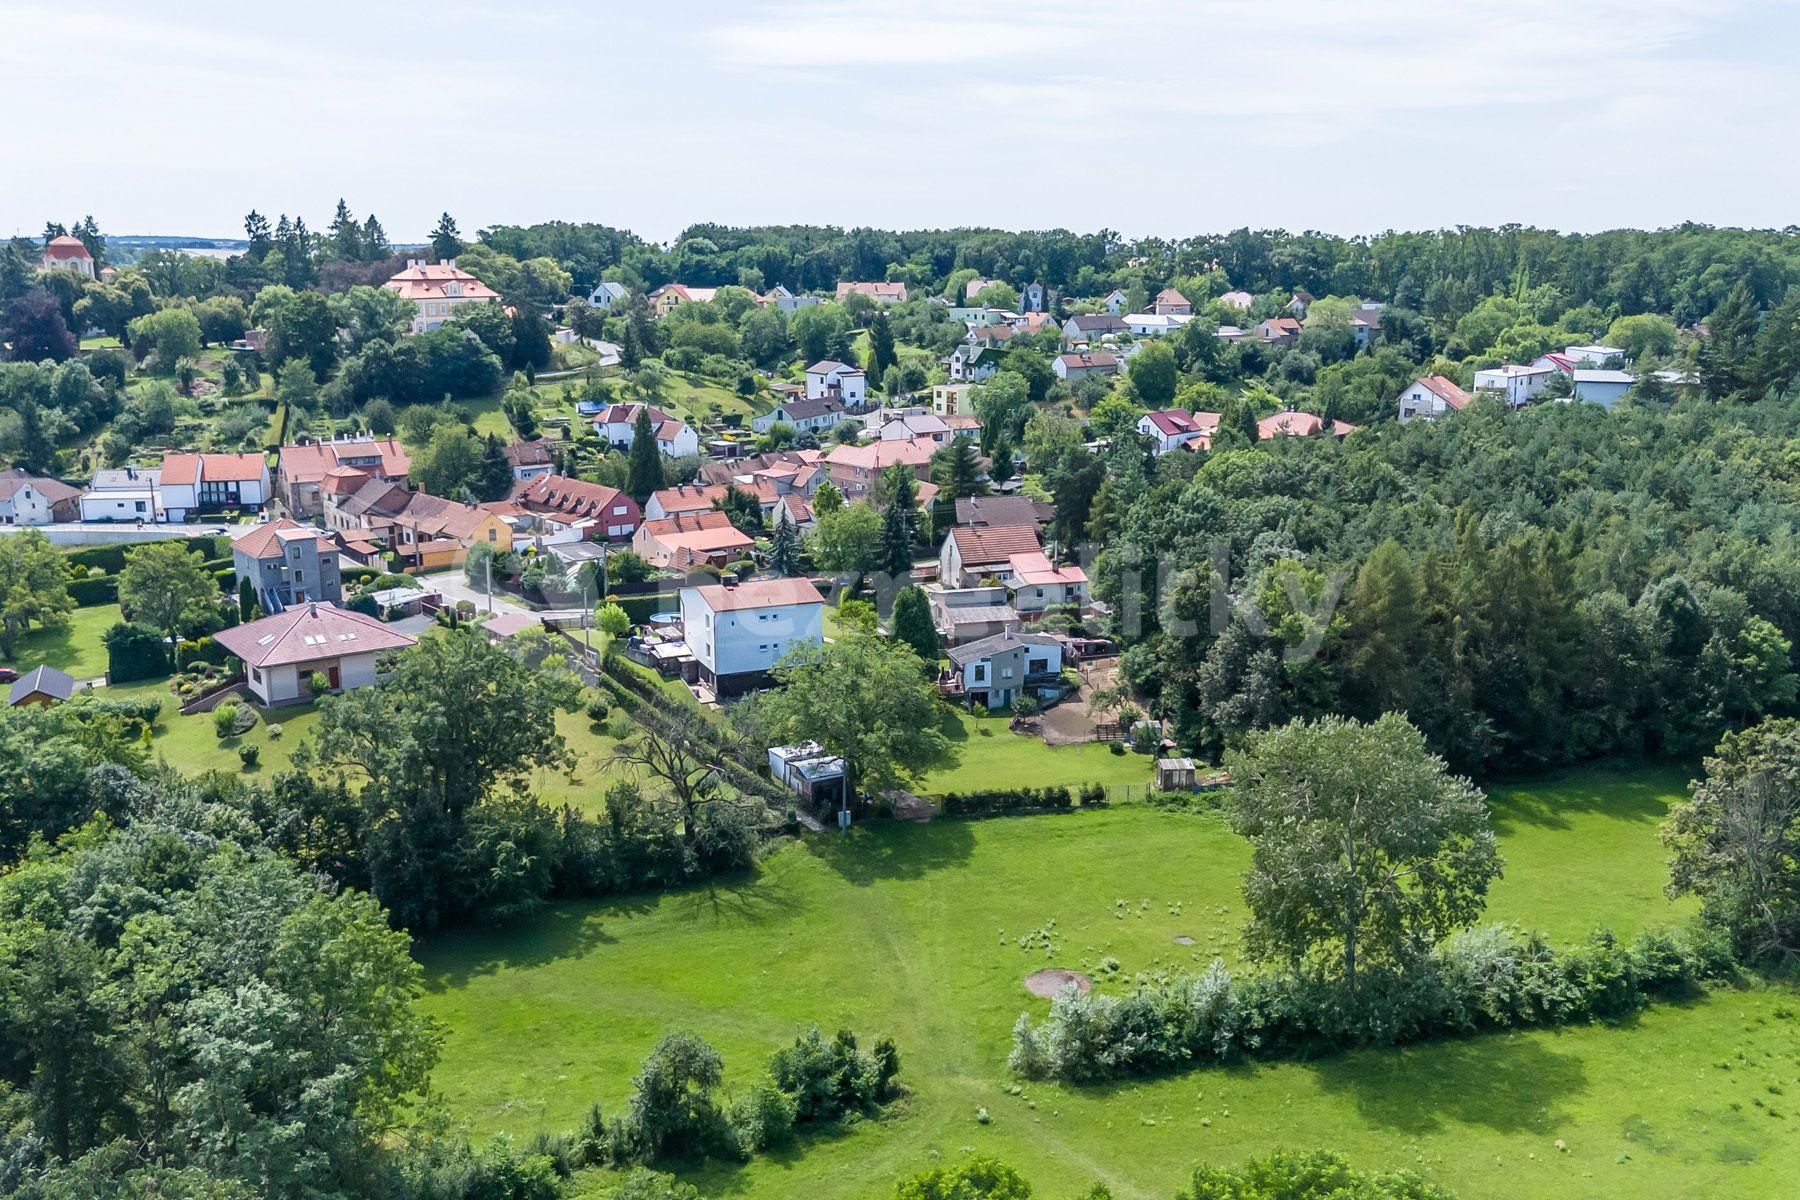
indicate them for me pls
(135, 652)
(763, 1118)
(224, 719)
(1486, 979)
(999, 801)
(249, 753)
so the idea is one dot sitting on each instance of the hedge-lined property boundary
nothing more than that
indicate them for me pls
(1484, 980)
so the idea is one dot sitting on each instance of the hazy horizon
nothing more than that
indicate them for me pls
(1576, 116)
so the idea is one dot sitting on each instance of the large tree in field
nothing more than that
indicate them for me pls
(864, 699)
(881, 346)
(1366, 851)
(446, 239)
(34, 582)
(165, 585)
(460, 722)
(1736, 842)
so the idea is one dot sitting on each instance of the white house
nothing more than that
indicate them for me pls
(1430, 397)
(973, 553)
(1033, 298)
(438, 291)
(995, 670)
(829, 379)
(808, 416)
(737, 632)
(1034, 583)
(27, 499)
(1603, 387)
(121, 494)
(281, 653)
(972, 363)
(1116, 302)
(1595, 356)
(608, 294)
(210, 483)
(617, 423)
(1073, 368)
(1154, 324)
(1517, 385)
(1173, 428)
(905, 425)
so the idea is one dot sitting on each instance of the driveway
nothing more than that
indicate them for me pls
(455, 587)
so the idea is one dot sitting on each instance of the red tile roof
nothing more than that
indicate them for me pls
(67, 249)
(1446, 391)
(980, 545)
(265, 540)
(309, 633)
(312, 463)
(573, 497)
(758, 593)
(195, 469)
(430, 281)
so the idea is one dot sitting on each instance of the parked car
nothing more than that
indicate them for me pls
(9, 674)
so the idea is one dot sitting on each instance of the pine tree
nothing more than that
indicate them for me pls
(1727, 352)
(644, 473)
(496, 469)
(897, 521)
(784, 546)
(912, 625)
(446, 240)
(246, 600)
(1000, 469)
(957, 470)
(881, 346)
(375, 245)
(346, 234)
(256, 228)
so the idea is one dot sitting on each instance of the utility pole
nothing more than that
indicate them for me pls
(488, 562)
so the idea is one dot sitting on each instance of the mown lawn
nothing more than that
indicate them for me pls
(77, 648)
(913, 931)
(989, 754)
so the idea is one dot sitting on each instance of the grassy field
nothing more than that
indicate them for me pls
(913, 931)
(989, 754)
(77, 648)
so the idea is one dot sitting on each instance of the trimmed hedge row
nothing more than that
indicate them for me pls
(1006, 801)
(95, 592)
(1487, 979)
(111, 559)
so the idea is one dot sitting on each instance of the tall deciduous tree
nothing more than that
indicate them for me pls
(33, 587)
(1736, 840)
(864, 699)
(460, 723)
(166, 586)
(1365, 850)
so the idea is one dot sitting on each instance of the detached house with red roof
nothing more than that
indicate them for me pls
(1430, 397)
(1173, 428)
(301, 470)
(617, 424)
(438, 291)
(606, 513)
(288, 563)
(691, 539)
(972, 553)
(738, 632)
(210, 483)
(879, 292)
(282, 653)
(1072, 368)
(1171, 303)
(1294, 423)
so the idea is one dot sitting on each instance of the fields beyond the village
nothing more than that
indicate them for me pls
(914, 931)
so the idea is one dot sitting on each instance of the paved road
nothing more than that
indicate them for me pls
(109, 533)
(455, 587)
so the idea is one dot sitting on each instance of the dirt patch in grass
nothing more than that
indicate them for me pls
(1184, 940)
(1051, 980)
(1069, 721)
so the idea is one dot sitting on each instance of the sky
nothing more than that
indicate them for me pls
(1186, 117)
